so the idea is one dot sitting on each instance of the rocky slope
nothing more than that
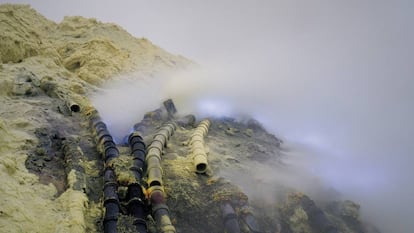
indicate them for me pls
(44, 66)
(52, 172)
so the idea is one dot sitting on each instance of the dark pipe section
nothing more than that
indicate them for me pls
(105, 141)
(136, 207)
(170, 107)
(249, 219)
(231, 224)
(135, 195)
(111, 201)
(107, 147)
(317, 219)
(73, 159)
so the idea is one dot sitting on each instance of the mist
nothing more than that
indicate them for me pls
(334, 79)
(346, 134)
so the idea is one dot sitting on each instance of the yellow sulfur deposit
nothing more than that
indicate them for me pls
(43, 66)
(26, 205)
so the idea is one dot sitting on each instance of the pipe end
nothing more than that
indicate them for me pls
(75, 107)
(201, 168)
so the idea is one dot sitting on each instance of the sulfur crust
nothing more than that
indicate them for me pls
(76, 55)
(28, 206)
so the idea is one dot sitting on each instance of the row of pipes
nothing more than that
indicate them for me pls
(147, 162)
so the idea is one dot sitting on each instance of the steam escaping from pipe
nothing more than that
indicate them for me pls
(125, 100)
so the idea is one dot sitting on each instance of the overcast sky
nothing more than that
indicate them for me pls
(335, 75)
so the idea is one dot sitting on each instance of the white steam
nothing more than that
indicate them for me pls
(124, 101)
(356, 128)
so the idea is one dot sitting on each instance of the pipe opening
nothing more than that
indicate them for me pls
(201, 167)
(75, 108)
(155, 183)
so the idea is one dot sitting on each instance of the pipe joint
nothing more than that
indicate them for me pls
(158, 189)
(100, 126)
(103, 136)
(164, 132)
(113, 184)
(157, 145)
(160, 139)
(139, 155)
(158, 207)
(140, 221)
(110, 153)
(155, 176)
(138, 146)
(153, 158)
(111, 200)
(134, 136)
(170, 127)
(135, 201)
(110, 218)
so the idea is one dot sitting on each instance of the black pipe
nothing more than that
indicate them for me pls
(111, 201)
(317, 218)
(138, 150)
(249, 219)
(231, 224)
(107, 146)
(170, 107)
(135, 195)
(110, 153)
(136, 207)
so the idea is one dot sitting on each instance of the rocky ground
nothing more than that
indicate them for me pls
(52, 172)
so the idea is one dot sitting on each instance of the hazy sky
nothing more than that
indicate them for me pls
(337, 76)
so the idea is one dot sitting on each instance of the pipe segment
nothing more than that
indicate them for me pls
(231, 224)
(249, 219)
(156, 193)
(73, 158)
(69, 100)
(160, 210)
(111, 201)
(154, 152)
(170, 107)
(135, 194)
(107, 147)
(197, 146)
